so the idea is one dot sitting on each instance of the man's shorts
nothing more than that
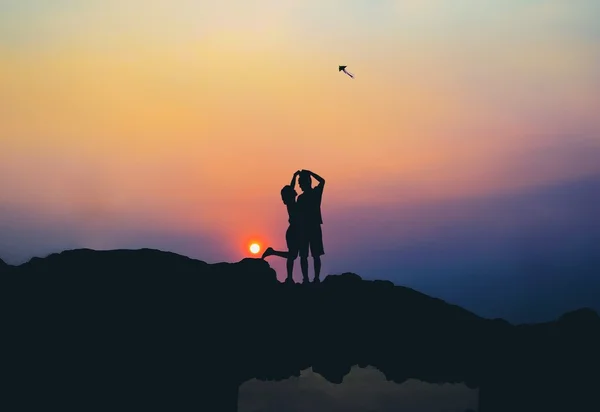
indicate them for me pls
(311, 238)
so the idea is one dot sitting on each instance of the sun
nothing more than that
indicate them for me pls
(254, 248)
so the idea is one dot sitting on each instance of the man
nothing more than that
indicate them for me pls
(309, 212)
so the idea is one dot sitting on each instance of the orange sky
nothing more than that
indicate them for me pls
(190, 118)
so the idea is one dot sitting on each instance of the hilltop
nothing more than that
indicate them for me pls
(153, 330)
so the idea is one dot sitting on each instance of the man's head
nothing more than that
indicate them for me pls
(304, 181)
(288, 195)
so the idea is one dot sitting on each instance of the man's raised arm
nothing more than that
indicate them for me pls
(317, 177)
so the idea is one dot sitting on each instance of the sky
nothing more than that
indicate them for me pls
(462, 160)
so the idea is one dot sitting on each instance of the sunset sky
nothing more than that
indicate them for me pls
(462, 160)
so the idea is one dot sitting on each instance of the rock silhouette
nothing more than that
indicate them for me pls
(151, 330)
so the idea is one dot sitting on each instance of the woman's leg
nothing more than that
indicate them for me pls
(290, 234)
(271, 252)
(287, 255)
(290, 255)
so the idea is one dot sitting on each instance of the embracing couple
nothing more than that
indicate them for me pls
(305, 220)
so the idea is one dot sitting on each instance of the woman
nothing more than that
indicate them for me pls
(292, 235)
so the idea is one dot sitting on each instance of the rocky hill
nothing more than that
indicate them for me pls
(151, 330)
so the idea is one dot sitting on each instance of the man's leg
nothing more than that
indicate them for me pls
(317, 250)
(303, 251)
(290, 269)
(317, 261)
(304, 267)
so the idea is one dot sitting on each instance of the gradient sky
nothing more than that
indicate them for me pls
(462, 160)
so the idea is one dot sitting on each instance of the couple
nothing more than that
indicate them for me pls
(305, 221)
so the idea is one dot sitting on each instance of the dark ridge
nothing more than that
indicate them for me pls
(4, 267)
(151, 330)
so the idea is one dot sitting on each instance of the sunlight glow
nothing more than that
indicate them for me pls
(254, 248)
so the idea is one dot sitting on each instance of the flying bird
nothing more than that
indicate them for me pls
(343, 69)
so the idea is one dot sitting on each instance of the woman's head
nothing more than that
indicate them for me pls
(288, 194)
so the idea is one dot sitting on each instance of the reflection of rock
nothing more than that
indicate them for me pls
(156, 330)
(363, 390)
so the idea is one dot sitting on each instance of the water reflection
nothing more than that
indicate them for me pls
(363, 390)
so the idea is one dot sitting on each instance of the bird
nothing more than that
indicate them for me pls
(343, 69)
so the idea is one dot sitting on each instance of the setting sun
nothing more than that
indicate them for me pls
(255, 248)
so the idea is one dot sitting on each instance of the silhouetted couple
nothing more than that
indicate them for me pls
(304, 232)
